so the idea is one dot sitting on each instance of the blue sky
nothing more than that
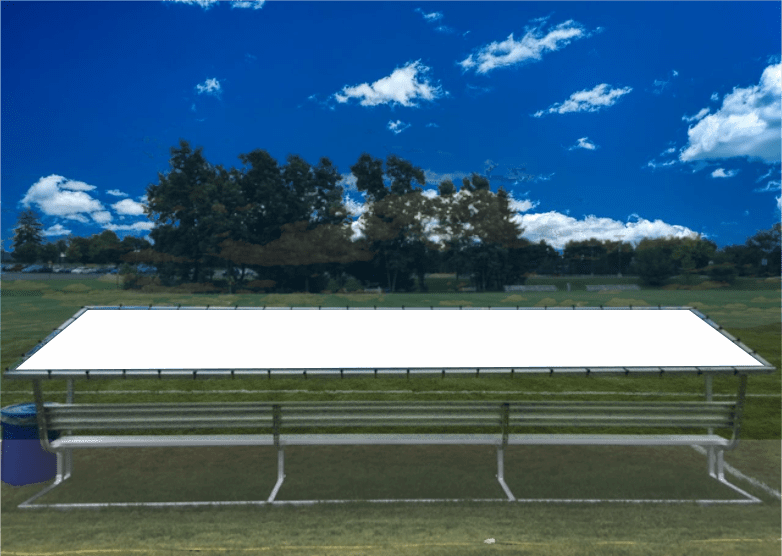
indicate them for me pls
(628, 119)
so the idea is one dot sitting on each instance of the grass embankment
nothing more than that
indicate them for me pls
(368, 472)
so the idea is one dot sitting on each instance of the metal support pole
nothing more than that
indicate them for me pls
(501, 474)
(68, 455)
(710, 450)
(280, 474)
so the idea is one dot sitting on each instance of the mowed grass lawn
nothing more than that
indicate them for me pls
(361, 473)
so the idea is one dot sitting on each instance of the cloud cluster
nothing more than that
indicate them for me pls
(59, 197)
(584, 143)
(431, 17)
(205, 4)
(530, 47)
(404, 86)
(248, 4)
(721, 173)
(128, 207)
(557, 229)
(209, 87)
(56, 230)
(602, 96)
(398, 126)
(748, 124)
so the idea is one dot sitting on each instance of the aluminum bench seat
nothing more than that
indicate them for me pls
(149, 441)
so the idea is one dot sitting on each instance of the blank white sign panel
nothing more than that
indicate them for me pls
(361, 339)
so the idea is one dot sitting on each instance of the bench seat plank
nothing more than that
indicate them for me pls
(130, 441)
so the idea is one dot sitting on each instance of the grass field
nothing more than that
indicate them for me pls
(361, 473)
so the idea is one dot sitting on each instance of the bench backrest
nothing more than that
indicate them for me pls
(295, 416)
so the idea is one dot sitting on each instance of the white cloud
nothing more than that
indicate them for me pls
(401, 87)
(715, 96)
(544, 177)
(444, 29)
(251, 4)
(592, 100)
(721, 173)
(398, 126)
(653, 164)
(56, 230)
(101, 216)
(522, 205)
(355, 208)
(210, 87)
(557, 229)
(58, 196)
(348, 182)
(584, 143)
(116, 193)
(779, 203)
(436, 178)
(767, 174)
(205, 4)
(511, 52)
(136, 226)
(748, 124)
(770, 186)
(431, 17)
(703, 112)
(661, 85)
(669, 151)
(128, 207)
(432, 124)
(250, 58)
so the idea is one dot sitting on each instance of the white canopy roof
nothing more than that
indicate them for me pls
(281, 339)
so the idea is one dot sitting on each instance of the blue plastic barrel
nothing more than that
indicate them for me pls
(23, 460)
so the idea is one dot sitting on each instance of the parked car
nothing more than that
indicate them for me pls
(61, 270)
(35, 268)
(80, 270)
(146, 269)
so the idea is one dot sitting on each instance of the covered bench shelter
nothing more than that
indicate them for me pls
(230, 342)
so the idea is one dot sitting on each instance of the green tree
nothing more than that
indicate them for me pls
(105, 248)
(28, 237)
(654, 260)
(765, 244)
(179, 204)
(78, 250)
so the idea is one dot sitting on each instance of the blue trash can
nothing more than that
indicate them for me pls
(23, 461)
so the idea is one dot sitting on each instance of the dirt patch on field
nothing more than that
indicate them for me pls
(293, 300)
(546, 302)
(619, 302)
(515, 298)
(77, 288)
(571, 303)
(735, 306)
(455, 303)
(700, 306)
(360, 297)
(762, 299)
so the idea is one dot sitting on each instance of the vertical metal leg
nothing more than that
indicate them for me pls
(68, 455)
(710, 449)
(280, 474)
(501, 473)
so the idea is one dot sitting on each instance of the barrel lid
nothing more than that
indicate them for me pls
(20, 410)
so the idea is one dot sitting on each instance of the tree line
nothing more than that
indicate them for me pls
(289, 225)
